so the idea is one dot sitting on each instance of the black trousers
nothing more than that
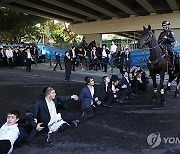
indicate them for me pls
(58, 63)
(5, 146)
(28, 64)
(68, 116)
(67, 70)
(108, 98)
(105, 61)
(73, 61)
(92, 111)
(26, 136)
(10, 62)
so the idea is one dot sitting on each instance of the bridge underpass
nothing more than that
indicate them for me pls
(94, 18)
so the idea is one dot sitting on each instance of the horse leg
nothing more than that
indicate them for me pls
(163, 101)
(154, 98)
(177, 86)
(171, 78)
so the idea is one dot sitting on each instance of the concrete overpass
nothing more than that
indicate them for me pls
(95, 17)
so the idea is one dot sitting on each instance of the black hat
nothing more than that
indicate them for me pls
(114, 78)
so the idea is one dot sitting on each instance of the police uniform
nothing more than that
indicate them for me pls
(167, 44)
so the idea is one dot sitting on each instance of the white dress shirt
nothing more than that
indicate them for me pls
(9, 132)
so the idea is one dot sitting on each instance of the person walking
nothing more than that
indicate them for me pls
(67, 61)
(58, 61)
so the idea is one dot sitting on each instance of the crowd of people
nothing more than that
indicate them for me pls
(13, 56)
(98, 58)
(48, 112)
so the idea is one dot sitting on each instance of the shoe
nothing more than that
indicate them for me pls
(74, 124)
(66, 80)
(61, 69)
(106, 105)
(119, 101)
(54, 70)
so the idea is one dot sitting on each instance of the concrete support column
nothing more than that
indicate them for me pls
(91, 37)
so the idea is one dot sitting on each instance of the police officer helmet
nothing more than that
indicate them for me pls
(165, 23)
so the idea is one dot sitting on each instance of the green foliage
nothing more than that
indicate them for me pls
(16, 25)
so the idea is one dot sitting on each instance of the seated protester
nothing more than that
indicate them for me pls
(9, 132)
(104, 93)
(45, 114)
(113, 83)
(140, 83)
(124, 87)
(132, 82)
(91, 105)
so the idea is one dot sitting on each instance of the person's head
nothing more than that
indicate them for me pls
(49, 93)
(127, 50)
(125, 73)
(104, 46)
(138, 74)
(89, 80)
(114, 80)
(112, 43)
(106, 79)
(165, 25)
(73, 47)
(94, 48)
(12, 117)
(130, 75)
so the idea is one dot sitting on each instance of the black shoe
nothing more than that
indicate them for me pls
(62, 69)
(106, 105)
(54, 70)
(74, 124)
(119, 101)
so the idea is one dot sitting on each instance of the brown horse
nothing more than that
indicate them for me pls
(157, 63)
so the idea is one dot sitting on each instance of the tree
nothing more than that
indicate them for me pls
(17, 25)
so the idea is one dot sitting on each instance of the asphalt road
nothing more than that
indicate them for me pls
(123, 129)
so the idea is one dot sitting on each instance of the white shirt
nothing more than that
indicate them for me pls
(29, 55)
(54, 117)
(92, 94)
(73, 54)
(104, 55)
(113, 48)
(9, 53)
(9, 132)
(43, 52)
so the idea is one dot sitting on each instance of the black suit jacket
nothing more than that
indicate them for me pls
(39, 109)
(101, 93)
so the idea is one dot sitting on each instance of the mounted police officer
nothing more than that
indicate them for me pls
(167, 41)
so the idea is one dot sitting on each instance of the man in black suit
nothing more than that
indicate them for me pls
(73, 54)
(105, 94)
(124, 87)
(49, 111)
(58, 61)
(105, 57)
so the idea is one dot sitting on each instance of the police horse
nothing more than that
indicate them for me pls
(157, 63)
(174, 75)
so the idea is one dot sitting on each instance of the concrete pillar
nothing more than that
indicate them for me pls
(91, 37)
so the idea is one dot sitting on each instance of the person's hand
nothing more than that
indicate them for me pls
(75, 97)
(124, 86)
(116, 89)
(38, 127)
(96, 99)
(35, 120)
(165, 37)
(98, 102)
